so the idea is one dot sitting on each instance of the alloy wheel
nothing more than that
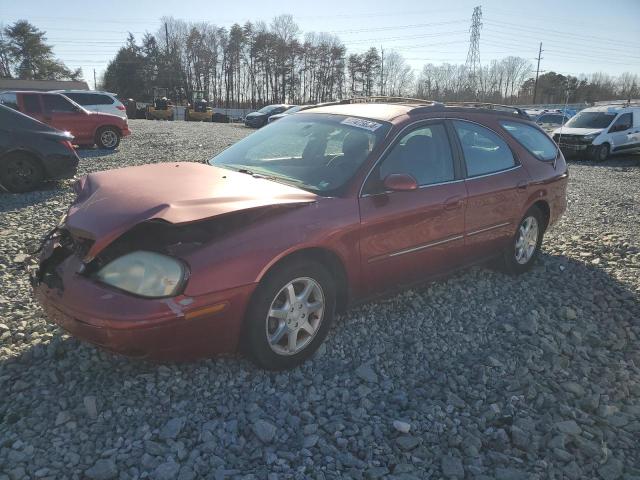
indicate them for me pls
(295, 316)
(526, 240)
(108, 138)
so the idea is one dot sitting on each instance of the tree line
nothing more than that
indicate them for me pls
(259, 63)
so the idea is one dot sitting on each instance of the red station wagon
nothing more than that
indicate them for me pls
(324, 208)
(62, 113)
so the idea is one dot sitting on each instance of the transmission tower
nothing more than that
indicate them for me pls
(473, 57)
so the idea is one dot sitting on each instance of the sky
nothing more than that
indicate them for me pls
(578, 36)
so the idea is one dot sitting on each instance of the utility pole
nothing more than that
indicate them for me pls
(473, 56)
(535, 85)
(382, 72)
(166, 35)
(94, 79)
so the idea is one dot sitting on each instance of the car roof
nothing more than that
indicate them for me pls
(90, 92)
(611, 108)
(376, 111)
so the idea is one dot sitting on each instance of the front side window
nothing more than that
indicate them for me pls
(31, 103)
(315, 152)
(538, 143)
(484, 151)
(423, 153)
(82, 98)
(57, 103)
(624, 122)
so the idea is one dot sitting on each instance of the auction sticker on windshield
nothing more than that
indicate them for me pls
(361, 123)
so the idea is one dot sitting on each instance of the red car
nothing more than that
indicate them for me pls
(321, 209)
(62, 113)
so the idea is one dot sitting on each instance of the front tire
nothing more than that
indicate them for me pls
(108, 138)
(601, 152)
(290, 315)
(20, 172)
(524, 247)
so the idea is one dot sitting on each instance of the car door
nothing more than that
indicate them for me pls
(31, 104)
(496, 186)
(406, 236)
(64, 115)
(621, 132)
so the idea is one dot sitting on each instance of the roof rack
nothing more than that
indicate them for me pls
(618, 103)
(388, 99)
(490, 106)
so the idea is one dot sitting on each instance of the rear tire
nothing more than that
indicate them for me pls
(524, 246)
(20, 172)
(108, 138)
(302, 322)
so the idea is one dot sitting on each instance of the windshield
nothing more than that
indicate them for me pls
(591, 120)
(315, 152)
(268, 108)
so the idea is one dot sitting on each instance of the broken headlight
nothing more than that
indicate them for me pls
(147, 274)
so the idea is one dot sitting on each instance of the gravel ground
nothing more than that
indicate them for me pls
(479, 376)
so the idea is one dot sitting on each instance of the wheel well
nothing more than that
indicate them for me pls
(543, 206)
(27, 153)
(328, 259)
(108, 126)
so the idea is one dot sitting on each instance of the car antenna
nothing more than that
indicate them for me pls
(564, 115)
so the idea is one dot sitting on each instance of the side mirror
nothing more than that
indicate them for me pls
(400, 182)
(619, 128)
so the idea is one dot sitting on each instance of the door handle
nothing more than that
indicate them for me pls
(452, 203)
(522, 185)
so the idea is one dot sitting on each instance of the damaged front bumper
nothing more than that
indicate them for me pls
(178, 328)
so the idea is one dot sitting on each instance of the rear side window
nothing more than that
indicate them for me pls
(31, 103)
(10, 100)
(57, 103)
(538, 143)
(484, 151)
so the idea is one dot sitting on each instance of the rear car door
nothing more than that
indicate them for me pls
(410, 235)
(621, 133)
(31, 104)
(496, 187)
(64, 115)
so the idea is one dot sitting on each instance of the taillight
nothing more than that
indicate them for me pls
(67, 144)
(120, 107)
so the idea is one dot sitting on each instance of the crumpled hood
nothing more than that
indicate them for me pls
(577, 131)
(110, 203)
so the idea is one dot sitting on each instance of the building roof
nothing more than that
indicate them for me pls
(42, 85)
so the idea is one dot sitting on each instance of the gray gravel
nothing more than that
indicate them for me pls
(479, 376)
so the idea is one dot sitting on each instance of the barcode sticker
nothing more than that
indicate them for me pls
(361, 123)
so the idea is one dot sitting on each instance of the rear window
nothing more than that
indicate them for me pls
(31, 103)
(10, 100)
(538, 143)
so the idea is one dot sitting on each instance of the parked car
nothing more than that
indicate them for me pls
(600, 131)
(260, 246)
(294, 109)
(31, 152)
(95, 101)
(62, 113)
(261, 117)
(551, 120)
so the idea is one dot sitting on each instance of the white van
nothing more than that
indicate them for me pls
(601, 130)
